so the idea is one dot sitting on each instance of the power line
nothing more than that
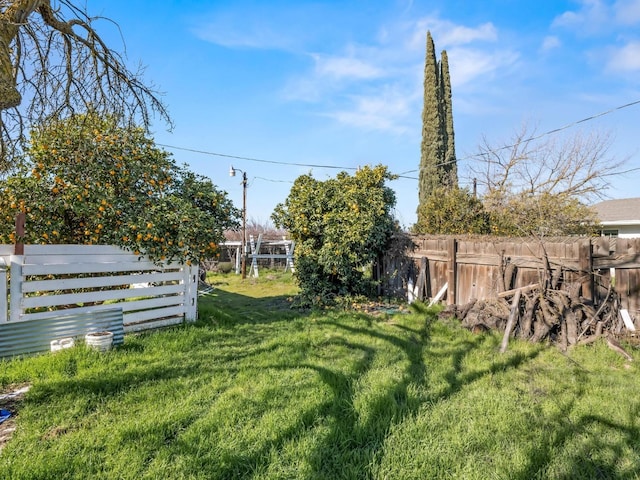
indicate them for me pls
(237, 157)
(259, 160)
(620, 173)
(273, 181)
(401, 175)
(537, 137)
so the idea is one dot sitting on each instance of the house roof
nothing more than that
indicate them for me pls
(619, 211)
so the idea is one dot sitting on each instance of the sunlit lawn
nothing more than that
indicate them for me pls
(257, 390)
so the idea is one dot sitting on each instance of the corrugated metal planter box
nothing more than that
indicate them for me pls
(33, 336)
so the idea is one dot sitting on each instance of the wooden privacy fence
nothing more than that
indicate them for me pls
(484, 267)
(49, 281)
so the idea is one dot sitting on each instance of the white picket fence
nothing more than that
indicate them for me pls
(52, 280)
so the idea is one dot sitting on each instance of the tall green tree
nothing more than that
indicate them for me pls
(449, 165)
(432, 149)
(437, 152)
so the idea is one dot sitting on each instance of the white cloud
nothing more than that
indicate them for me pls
(627, 12)
(257, 25)
(378, 86)
(626, 59)
(345, 67)
(449, 34)
(613, 21)
(592, 16)
(467, 65)
(222, 33)
(550, 42)
(333, 74)
(461, 35)
(385, 111)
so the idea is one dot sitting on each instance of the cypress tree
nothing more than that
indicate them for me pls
(437, 153)
(449, 165)
(433, 147)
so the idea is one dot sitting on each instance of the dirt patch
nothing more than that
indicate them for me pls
(11, 399)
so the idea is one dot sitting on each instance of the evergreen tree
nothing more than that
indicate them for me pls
(433, 147)
(437, 154)
(449, 164)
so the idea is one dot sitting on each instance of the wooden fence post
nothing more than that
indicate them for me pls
(3, 292)
(20, 229)
(452, 250)
(585, 253)
(190, 292)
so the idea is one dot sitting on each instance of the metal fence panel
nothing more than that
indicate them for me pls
(32, 336)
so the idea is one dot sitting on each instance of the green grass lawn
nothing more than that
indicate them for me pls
(257, 390)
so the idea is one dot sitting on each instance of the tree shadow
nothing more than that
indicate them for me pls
(354, 444)
(594, 456)
(228, 308)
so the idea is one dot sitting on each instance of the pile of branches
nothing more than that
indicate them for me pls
(550, 310)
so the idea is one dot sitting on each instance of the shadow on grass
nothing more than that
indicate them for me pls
(187, 344)
(354, 443)
(366, 441)
(226, 308)
(241, 464)
(594, 456)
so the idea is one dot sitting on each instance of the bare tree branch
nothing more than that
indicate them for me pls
(577, 166)
(543, 187)
(54, 63)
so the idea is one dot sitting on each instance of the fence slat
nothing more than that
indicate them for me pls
(76, 268)
(165, 322)
(128, 308)
(98, 296)
(97, 282)
(146, 315)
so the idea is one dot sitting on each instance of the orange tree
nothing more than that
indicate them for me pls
(340, 226)
(87, 180)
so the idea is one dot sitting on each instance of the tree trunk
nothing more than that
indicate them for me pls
(10, 21)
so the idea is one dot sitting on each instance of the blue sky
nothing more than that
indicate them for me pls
(340, 83)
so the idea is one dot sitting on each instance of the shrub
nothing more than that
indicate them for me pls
(340, 227)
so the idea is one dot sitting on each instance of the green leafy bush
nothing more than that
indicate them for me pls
(340, 226)
(451, 211)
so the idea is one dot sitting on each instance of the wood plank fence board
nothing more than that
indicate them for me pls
(97, 296)
(481, 261)
(98, 282)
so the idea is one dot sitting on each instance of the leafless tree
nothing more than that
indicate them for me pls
(578, 166)
(542, 185)
(53, 62)
(256, 227)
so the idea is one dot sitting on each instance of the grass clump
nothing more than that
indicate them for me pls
(255, 389)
